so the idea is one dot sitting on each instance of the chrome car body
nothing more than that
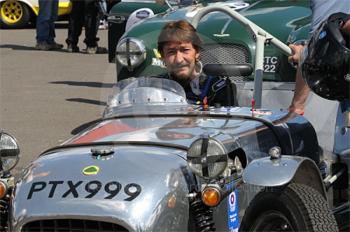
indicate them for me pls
(154, 162)
(140, 149)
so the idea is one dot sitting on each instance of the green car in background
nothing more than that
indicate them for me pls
(225, 42)
(119, 15)
(287, 20)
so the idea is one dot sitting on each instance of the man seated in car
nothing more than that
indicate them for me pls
(179, 46)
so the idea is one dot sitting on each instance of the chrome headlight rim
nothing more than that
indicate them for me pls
(8, 152)
(204, 164)
(129, 61)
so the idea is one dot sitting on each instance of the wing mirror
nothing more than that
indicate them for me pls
(9, 152)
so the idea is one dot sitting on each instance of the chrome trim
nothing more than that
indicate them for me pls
(141, 54)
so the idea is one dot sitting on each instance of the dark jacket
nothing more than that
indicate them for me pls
(218, 91)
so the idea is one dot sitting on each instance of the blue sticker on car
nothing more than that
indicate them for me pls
(232, 208)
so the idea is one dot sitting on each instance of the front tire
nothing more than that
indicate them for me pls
(295, 207)
(14, 14)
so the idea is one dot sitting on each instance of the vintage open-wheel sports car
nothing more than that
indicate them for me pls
(154, 162)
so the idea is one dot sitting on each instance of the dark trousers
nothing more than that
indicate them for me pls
(84, 13)
(45, 23)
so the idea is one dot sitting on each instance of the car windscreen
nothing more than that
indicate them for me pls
(147, 91)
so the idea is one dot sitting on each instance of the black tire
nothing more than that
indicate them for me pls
(295, 207)
(14, 14)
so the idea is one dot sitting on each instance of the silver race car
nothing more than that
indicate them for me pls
(154, 162)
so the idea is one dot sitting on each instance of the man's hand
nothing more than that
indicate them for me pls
(297, 108)
(296, 53)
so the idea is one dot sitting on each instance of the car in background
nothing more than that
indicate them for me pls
(19, 13)
(228, 42)
(288, 20)
(119, 15)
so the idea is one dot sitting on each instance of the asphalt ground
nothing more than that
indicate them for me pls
(45, 96)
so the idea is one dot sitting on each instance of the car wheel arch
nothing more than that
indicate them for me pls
(283, 171)
(309, 174)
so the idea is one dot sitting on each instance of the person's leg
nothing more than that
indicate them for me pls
(52, 35)
(91, 12)
(42, 22)
(53, 17)
(75, 25)
(91, 27)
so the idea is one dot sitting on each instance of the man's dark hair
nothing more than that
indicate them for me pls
(179, 31)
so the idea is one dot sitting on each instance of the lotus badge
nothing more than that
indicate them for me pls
(91, 170)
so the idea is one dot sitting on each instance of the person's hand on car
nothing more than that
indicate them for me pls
(296, 53)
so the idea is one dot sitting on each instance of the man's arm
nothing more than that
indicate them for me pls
(300, 94)
(301, 89)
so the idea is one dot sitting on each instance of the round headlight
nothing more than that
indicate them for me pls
(131, 52)
(9, 152)
(207, 158)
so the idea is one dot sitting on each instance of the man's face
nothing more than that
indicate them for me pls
(180, 59)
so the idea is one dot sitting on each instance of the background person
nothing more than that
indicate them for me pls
(325, 67)
(321, 10)
(84, 13)
(179, 46)
(325, 61)
(45, 25)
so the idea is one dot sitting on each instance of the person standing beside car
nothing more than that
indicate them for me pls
(179, 46)
(84, 13)
(321, 9)
(45, 25)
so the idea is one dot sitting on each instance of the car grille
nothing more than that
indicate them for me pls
(69, 225)
(225, 53)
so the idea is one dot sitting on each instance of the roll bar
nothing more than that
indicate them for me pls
(259, 35)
